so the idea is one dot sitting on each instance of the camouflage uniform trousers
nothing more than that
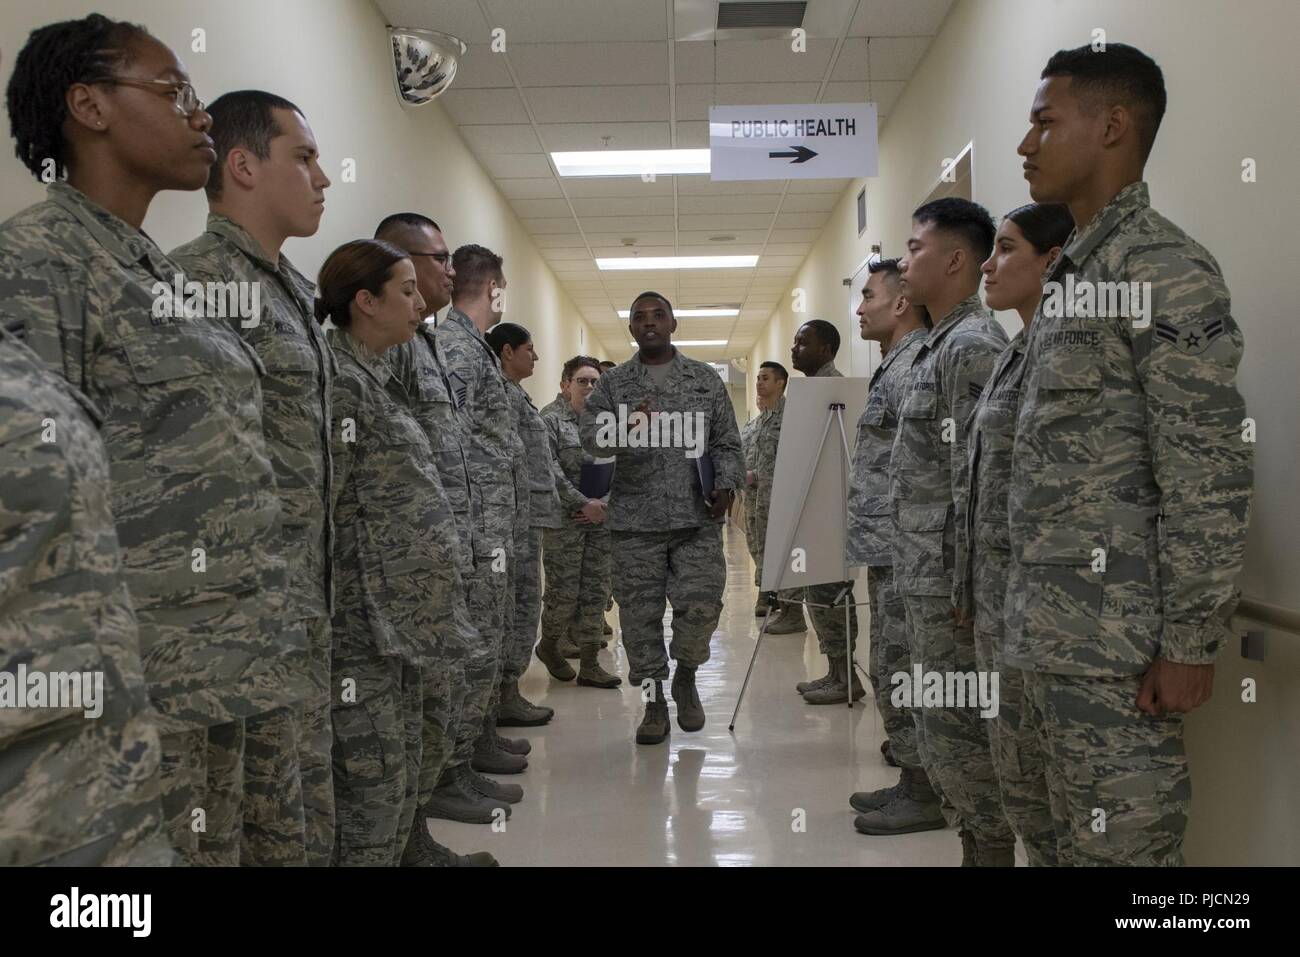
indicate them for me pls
(377, 755)
(890, 653)
(86, 785)
(489, 599)
(203, 769)
(685, 566)
(528, 605)
(1018, 758)
(577, 571)
(1118, 778)
(315, 753)
(954, 742)
(755, 541)
(832, 636)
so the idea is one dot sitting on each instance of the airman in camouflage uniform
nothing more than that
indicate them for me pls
(577, 555)
(192, 486)
(286, 822)
(928, 486)
(1129, 446)
(399, 602)
(75, 791)
(665, 537)
(480, 390)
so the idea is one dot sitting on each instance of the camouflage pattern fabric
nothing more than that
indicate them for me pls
(73, 791)
(377, 756)
(982, 571)
(658, 489)
(222, 760)
(890, 653)
(929, 486)
(479, 389)
(275, 826)
(295, 420)
(1129, 445)
(1119, 778)
(685, 567)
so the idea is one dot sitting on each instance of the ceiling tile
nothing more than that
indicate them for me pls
(628, 206)
(726, 221)
(744, 203)
(819, 185)
(893, 19)
(479, 107)
(891, 58)
(558, 240)
(693, 61)
(585, 20)
(501, 139)
(550, 225)
(622, 136)
(694, 99)
(460, 18)
(516, 165)
(480, 67)
(800, 220)
(772, 61)
(537, 188)
(883, 93)
(607, 104)
(536, 208)
(589, 64)
(809, 202)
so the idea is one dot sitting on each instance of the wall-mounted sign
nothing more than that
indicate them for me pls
(810, 141)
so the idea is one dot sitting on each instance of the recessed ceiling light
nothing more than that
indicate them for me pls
(631, 162)
(688, 313)
(693, 342)
(678, 262)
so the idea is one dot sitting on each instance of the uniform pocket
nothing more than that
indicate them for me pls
(1069, 403)
(925, 548)
(1062, 594)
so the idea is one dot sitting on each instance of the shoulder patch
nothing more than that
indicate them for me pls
(459, 389)
(1192, 341)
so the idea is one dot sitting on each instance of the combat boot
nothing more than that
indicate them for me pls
(605, 628)
(549, 654)
(969, 851)
(788, 621)
(805, 686)
(864, 802)
(423, 851)
(496, 790)
(516, 711)
(914, 807)
(568, 649)
(520, 746)
(489, 759)
(591, 674)
(761, 605)
(690, 713)
(888, 753)
(835, 690)
(454, 800)
(655, 724)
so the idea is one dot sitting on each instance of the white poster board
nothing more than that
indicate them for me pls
(819, 532)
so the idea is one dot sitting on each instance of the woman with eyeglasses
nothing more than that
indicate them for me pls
(191, 488)
(577, 547)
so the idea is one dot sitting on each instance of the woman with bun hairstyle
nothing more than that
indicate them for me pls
(399, 600)
(1028, 241)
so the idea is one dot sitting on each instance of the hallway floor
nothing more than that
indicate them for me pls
(593, 796)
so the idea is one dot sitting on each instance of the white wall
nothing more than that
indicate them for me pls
(331, 58)
(1231, 72)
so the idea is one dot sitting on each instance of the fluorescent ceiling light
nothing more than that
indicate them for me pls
(693, 342)
(631, 162)
(688, 313)
(678, 262)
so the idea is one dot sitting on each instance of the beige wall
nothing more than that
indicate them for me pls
(331, 58)
(1232, 73)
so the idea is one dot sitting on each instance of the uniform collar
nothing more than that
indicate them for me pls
(459, 318)
(374, 365)
(1129, 201)
(676, 367)
(969, 306)
(126, 243)
(897, 350)
(236, 235)
(827, 370)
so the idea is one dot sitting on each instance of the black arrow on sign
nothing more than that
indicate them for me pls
(803, 154)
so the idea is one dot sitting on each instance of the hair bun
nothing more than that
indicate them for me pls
(321, 310)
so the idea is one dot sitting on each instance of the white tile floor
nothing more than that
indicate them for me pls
(593, 796)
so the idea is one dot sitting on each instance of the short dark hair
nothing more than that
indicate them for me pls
(360, 264)
(777, 368)
(577, 362)
(243, 118)
(892, 276)
(1116, 74)
(826, 334)
(392, 226)
(475, 267)
(649, 294)
(54, 58)
(1044, 225)
(607, 364)
(507, 334)
(970, 221)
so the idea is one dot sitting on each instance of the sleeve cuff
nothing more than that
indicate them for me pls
(1193, 643)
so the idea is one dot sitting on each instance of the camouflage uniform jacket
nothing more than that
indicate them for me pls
(295, 396)
(400, 591)
(419, 369)
(927, 466)
(539, 464)
(871, 519)
(569, 457)
(658, 489)
(189, 470)
(1129, 445)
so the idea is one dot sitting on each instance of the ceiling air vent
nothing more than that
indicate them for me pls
(744, 15)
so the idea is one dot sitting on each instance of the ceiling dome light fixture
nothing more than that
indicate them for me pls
(424, 63)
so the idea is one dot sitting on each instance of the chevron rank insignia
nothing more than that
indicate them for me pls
(459, 389)
(1192, 341)
(976, 389)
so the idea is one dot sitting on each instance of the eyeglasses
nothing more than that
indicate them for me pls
(443, 258)
(187, 101)
(589, 383)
